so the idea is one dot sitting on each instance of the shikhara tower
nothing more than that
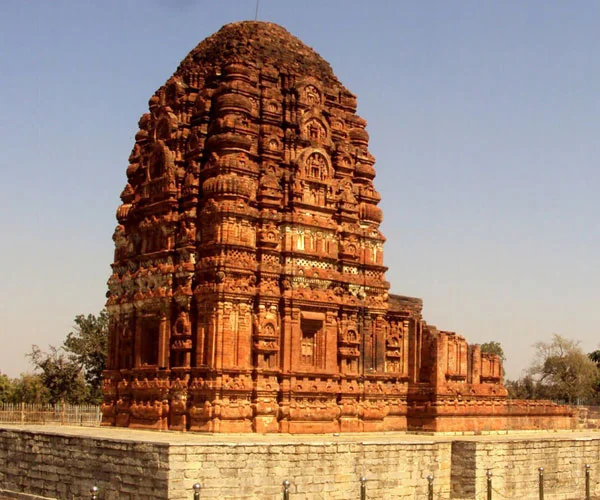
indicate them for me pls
(248, 290)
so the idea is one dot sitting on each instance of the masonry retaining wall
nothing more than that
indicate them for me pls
(66, 466)
(63, 463)
(514, 466)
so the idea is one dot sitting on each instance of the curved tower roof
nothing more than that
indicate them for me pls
(258, 43)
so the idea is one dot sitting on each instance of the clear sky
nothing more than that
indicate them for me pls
(484, 119)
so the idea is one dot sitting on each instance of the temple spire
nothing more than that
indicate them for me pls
(248, 291)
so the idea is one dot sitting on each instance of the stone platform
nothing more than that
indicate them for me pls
(64, 462)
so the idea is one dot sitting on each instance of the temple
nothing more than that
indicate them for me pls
(248, 291)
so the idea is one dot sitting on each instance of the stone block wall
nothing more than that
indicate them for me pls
(65, 466)
(514, 465)
(315, 471)
(52, 465)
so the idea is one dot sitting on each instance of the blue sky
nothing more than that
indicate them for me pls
(483, 116)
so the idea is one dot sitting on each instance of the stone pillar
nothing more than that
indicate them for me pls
(137, 344)
(405, 348)
(114, 327)
(244, 336)
(287, 328)
(201, 331)
(464, 354)
(367, 354)
(295, 340)
(217, 334)
(163, 341)
(330, 332)
(228, 332)
(415, 334)
(440, 359)
(379, 335)
(475, 372)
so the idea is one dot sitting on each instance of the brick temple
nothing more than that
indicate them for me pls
(248, 291)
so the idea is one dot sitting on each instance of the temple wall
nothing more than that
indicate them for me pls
(64, 463)
(489, 415)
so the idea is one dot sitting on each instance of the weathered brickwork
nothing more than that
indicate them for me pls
(65, 463)
(248, 291)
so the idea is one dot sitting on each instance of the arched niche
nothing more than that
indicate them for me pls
(160, 160)
(310, 93)
(315, 165)
(315, 128)
(166, 125)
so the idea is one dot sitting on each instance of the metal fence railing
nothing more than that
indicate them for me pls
(91, 416)
(21, 413)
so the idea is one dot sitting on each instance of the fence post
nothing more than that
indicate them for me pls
(489, 484)
(541, 482)
(587, 482)
(363, 488)
(196, 488)
(286, 490)
(430, 487)
(94, 492)
(22, 412)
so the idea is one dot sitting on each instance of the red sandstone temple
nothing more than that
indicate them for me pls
(248, 291)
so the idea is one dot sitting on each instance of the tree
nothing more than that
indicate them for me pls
(494, 347)
(73, 372)
(526, 388)
(6, 388)
(29, 389)
(87, 347)
(595, 357)
(61, 376)
(563, 370)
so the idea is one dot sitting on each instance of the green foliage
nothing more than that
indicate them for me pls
(595, 357)
(563, 371)
(6, 388)
(494, 347)
(29, 388)
(60, 375)
(87, 347)
(526, 388)
(560, 371)
(72, 373)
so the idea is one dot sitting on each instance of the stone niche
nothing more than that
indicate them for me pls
(248, 290)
